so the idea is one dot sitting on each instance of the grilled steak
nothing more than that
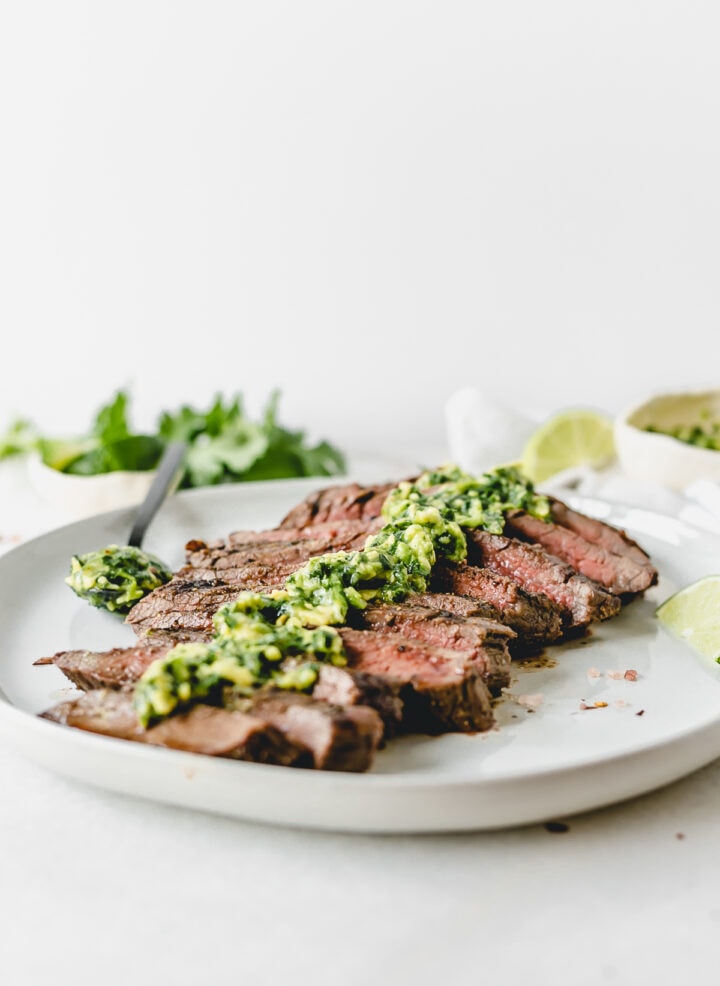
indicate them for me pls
(336, 503)
(345, 686)
(441, 691)
(116, 668)
(271, 727)
(120, 668)
(182, 608)
(296, 548)
(333, 530)
(621, 574)
(613, 539)
(484, 643)
(535, 618)
(337, 738)
(203, 729)
(581, 600)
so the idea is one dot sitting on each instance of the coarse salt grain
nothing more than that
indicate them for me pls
(530, 701)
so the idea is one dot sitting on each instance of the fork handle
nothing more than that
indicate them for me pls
(166, 479)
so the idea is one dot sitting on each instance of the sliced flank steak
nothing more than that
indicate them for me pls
(337, 503)
(534, 617)
(581, 600)
(440, 689)
(337, 737)
(116, 668)
(120, 668)
(182, 608)
(621, 574)
(347, 686)
(296, 548)
(484, 643)
(203, 729)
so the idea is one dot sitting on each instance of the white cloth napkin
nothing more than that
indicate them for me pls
(482, 432)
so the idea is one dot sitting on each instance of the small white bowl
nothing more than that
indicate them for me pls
(82, 496)
(657, 458)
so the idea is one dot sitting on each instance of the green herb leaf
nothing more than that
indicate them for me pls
(135, 453)
(111, 423)
(20, 437)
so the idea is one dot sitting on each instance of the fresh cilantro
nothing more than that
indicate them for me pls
(20, 437)
(224, 444)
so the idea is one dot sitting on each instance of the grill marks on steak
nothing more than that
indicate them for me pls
(182, 609)
(483, 643)
(218, 571)
(581, 600)
(441, 690)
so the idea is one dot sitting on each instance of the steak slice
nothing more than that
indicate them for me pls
(344, 530)
(580, 599)
(181, 608)
(203, 729)
(611, 538)
(441, 691)
(535, 618)
(345, 686)
(620, 574)
(296, 547)
(337, 738)
(484, 643)
(116, 668)
(336, 503)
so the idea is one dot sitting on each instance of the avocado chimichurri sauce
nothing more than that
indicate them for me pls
(283, 636)
(116, 578)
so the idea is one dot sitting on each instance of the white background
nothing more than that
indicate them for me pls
(366, 204)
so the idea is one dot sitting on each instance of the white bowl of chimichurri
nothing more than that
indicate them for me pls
(671, 439)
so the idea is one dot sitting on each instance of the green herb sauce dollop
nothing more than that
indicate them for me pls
(116, 578)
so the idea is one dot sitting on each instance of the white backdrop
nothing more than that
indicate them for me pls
(366, 204)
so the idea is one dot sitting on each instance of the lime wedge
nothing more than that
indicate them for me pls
(693, 615)
(568, 439)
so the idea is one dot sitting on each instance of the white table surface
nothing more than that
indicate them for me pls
(100, 888)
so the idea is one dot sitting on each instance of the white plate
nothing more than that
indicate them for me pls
(553, 761)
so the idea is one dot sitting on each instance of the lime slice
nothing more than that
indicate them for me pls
(568, 439)
(693, 614)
